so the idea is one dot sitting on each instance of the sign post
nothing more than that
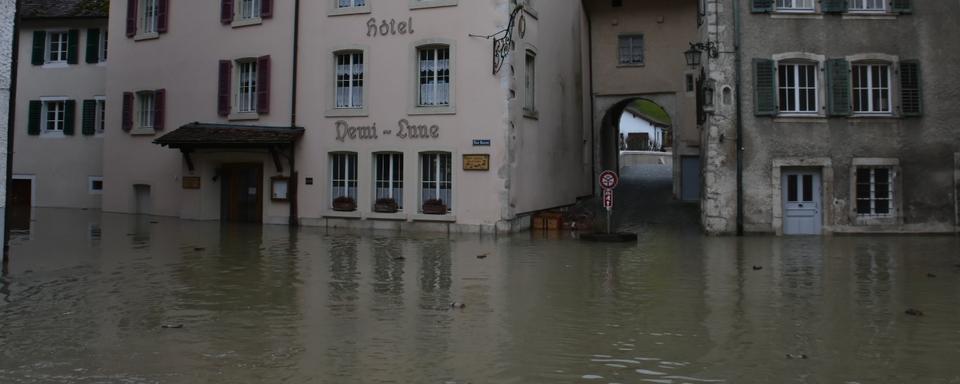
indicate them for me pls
(608, 181)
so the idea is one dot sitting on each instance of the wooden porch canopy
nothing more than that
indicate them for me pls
(278, 141)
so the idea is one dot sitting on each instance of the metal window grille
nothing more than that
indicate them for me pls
(434, 66)
(349, 92)
(874, 191)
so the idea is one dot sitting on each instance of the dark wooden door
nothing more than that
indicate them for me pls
(242, 193)
(21, 200)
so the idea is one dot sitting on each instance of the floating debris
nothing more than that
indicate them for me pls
(913, 312)
(198, 249)
(799, 356)
(171, 326)
(399, 258)
(457, 305)
(930, 275)
(757, 267)
(483, 256)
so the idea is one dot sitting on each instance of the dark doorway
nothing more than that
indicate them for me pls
(690, 178)
(21, 201)
(241, 197)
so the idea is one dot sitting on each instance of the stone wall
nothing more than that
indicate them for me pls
(7, 13)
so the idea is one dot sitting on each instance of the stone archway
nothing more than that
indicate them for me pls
(608, 132)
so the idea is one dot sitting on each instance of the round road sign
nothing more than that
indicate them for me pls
(609, 179)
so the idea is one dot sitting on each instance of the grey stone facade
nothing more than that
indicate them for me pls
(920, 151)
(7, 14)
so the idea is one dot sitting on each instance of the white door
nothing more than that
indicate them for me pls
(802, 207)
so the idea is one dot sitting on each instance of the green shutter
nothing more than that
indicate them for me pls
(69, 116)
(833, 6)
(761, 6)
(73, 43)
(911, 100)
(93, 46)
(89, 125)
(33, 117)
(764, 87)
(838, 87)
(901, 6)
(39, 48)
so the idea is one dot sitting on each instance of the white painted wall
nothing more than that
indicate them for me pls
(632, 124)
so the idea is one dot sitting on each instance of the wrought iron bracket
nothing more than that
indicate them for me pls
(503, 42)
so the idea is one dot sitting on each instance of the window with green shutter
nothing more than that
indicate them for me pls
(89, 125)
(911, 103)
(69, 116)
(761, 6)
(93, 46)
(901, 6)
(34, 115)
(39, 48)
(833, 6)
(838, 87)
(764, 87)
(73, 42)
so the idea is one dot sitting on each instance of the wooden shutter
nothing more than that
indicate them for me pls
(266, 9)
(33, 117)
(833, 6)
(159, 109)
(73, 46)
(93, 46)
(163, 15)
(131, 18)
(127, 119)
(838, 87)
(226, 11)
(901, 6)
(69, 116)
(89, 119)
(39, 48)
(263, 84)
(764, 87)
(911, 103)
(223, 88)
(761, 6)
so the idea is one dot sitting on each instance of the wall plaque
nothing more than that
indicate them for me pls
(476, 162)
(191, 182)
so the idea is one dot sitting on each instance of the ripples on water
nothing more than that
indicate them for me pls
(88, 296)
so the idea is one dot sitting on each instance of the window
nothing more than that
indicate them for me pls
(149, 10)
(436, 178)
(631, 50)
(349, 72)
(102, 46)
(351, 3)
(418, 4)
(57, 47)
(871, 88)
(100, 115)
(248, 9)
(530, 82)
(434, 76)
(95, 185)
(247, 87)
(867, 5)
(54, 116)
(797, 87)
(343, 172)
(795, 5)
(388, 170)
(874, 191)
(145, 104)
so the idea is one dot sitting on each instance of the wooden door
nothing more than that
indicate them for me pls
(242, 193)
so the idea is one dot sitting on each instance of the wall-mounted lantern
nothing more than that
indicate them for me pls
(693, 55)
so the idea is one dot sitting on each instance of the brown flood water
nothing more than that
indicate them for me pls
(88, 295)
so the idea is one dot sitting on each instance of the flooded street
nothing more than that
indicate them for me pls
(88, 296)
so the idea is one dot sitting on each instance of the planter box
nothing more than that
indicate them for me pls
(434, 207)
(386, 206)
(344, 204)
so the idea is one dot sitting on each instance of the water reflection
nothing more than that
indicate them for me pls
(271, 304)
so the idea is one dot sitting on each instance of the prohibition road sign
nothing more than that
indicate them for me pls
(608, 198)
(609, 179)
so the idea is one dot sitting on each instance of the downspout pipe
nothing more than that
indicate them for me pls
(11, 119)
(593, 128)
(294, 177)
(738, 80)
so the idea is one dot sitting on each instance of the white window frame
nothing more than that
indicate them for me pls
(100, 115)
(437, 83)
(795, 6)
(245, 92)
(436, 184)
(146, 110)
(91, 189)
(530, 84)
(355, 71)
(64, 42)
(796, 89)
(863, 6)
(870, 87)
(350, 185)
(872, 198)
(336, 9)
(415, 108)
(420, 4)
(631, 37)
(102, 46)
(147, 24)
(895, 189)
(393, 183)
(802, 58)
(254, 10)
(45, 119)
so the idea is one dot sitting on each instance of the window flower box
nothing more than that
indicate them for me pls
(434, 207)
(344, 204)
(386, 205)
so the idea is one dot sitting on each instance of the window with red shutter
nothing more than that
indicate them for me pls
(127, 123)
(263, 85)
(159, 109)
(223, 88)
(266, 9)
(131, 18)
(226, 11)
(163, 16)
